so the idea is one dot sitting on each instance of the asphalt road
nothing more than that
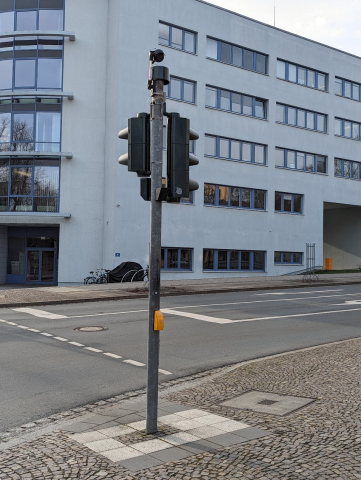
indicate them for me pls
(47, 366)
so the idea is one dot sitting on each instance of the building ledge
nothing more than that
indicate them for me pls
(36, 93)
(38, 33)
(67, 155)
(35, 214)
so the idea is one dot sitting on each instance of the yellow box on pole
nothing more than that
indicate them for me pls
(328, 263)
(158, 320)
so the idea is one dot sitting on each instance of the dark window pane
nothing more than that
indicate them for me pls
(278, 257)
(7, 22)
(245, 264)
(261, 63)
(209, 194)
(222, 259)
(4, 180)
(210, 146)
(24, 73)
(21, 181)
(237, 56)
(172, 258)
(208, 259)
(248, 59)
(297, 258)
(20, 204)
(26, 20)
(5, 123)
(46, 181)
(50, 72)
(185, 260)
(3, 204)
(162, 254)
(338, 165)
(258, 261)
(225, 52)
(225, 100)
(188, 92)
(234, 197)
(297, 203)
(234, 260)
(310, 163)
(189, 42)
(51, 20)
(346, 169)
(356, 131)
(246, 198)
(321, 164)
(301, 76)
(45, 204)
(23, 127)
(163, 34)
(247, 105)
(223, 195)
(287, 257)
(278, 201)
(16, 255)
(287, 202)
(355, 170)
(259, 199)
(224, 147)
(177, 35)
(6, 75)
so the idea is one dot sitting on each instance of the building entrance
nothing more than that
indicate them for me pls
(33, 256)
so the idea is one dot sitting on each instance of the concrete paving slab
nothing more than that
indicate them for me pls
(172, 454)
(140, 463)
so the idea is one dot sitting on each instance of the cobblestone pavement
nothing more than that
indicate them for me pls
(319, 441)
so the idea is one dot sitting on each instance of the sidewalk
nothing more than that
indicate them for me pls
(21, 297)
(289, 416)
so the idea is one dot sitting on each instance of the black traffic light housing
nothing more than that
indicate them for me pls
(179, 159)
(138, 135)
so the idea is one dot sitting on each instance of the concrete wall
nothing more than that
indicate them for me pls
(342, 237)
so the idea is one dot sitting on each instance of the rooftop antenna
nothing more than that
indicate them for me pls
(274, 12)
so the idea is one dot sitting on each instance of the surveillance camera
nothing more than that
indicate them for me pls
(156, 55)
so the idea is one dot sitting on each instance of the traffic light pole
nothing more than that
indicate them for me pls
(156, 160)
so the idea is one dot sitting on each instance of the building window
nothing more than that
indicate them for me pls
(33, 18)
(232, 149)
(288, 202)
(176, 37)
(348, 89)
(306, 162)
(236, 55)
(347, 169)
(29, 184)
(301, 118)
(290, 258)
(188, 200)
(181, 89)
(233, 260)
(234, 197)
(347, 128)
(301, 75)
(235, 102)
(176, 258)
(30, 124)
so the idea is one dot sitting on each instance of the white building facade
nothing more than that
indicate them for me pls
(279, 119)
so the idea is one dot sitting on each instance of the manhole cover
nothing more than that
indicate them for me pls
(90, 329)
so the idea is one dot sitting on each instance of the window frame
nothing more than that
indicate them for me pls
(179, 259)
(352, 123)
(292, 211)
(218, 139)
(298, 111)
(232, 46)
(241, 189)
(292, 262)
(304, 169)
(239, 269)
(342, 175)
(183, 81)
(343, 89)
(242, 97)
(307, 70)
(184, 31)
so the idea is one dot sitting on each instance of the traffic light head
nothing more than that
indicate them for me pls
(138, 156)
(179, 159)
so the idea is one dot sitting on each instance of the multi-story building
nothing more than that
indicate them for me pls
(279, 119)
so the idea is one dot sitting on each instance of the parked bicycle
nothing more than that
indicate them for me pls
(99, 276)
(137, 275)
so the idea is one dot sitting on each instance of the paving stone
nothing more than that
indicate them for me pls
(132, 417)
(200, 446)
(99, 419)
(251, 433)
(77, 427)
(227, 439)
(172, 454)
(140, 463)
(151, 446)
(103, 445)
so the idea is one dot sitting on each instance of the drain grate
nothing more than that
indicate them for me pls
(90, 329)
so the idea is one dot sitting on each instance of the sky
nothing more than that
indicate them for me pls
(331, 22)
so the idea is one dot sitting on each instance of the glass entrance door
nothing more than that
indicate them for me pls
(40, 266)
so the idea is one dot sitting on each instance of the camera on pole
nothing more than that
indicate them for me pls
(179, 158)
(138, 135)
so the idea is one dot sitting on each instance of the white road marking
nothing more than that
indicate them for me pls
(203, 318)
(349, 302)
(61, 339)
(133, 362)
(165, 372)
(39, 313)
(47, 334)
(22, 326)
(34, 330)
(105, 314)
(11, 323)
(298, 315)
(76, 344)
(299, 293)
(93, 349)
(112, 355)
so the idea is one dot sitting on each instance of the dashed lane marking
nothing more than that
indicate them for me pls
(299, 293)
(76, 344)
(39, 313)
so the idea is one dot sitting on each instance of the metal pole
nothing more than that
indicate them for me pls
(156, 158)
